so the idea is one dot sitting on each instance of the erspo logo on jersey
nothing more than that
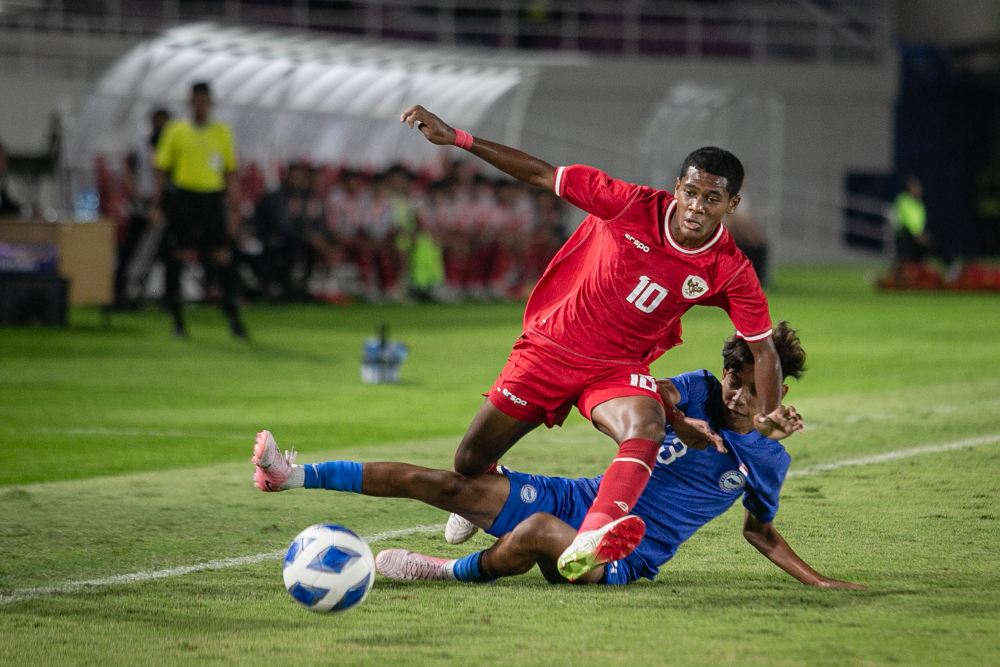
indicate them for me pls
(636, 242)
(512, 397)
(732, 480)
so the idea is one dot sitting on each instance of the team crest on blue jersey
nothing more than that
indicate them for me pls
(694, 287)
(733, 480)
(528, 494)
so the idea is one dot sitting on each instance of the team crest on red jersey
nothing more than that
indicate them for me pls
(694, 287)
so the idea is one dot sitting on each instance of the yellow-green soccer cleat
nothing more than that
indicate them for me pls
(612, 541)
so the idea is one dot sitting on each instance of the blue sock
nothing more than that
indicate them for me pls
(467, 569)
(334, 476)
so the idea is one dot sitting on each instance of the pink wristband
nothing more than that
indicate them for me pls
(463, 139)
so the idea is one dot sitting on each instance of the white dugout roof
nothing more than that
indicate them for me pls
(293, 96)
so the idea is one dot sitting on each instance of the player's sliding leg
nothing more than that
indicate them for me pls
(479, 497)
(490, 435)
(607, 533)
(539, 539)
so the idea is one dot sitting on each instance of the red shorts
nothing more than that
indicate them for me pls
(542, 381)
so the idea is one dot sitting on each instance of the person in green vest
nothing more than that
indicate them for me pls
(421, 256)
(909, 218)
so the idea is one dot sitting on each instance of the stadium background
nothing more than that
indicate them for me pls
(829, 102)
(131, 533)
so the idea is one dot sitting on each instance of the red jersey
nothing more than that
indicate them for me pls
(617, 288)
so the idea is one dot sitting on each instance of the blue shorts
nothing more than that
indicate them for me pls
(566, 499)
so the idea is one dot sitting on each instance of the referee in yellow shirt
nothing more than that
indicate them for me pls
(198, 160)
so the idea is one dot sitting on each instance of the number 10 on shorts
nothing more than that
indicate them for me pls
(646, 382)
(647, 296)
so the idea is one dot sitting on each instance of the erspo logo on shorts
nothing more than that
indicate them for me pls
(512, 397)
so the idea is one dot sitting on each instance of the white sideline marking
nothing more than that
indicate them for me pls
(896, 455)
(139, 577)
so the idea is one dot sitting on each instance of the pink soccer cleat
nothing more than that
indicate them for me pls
(273, 467)
(406, 565)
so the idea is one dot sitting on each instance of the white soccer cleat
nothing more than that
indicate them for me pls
(458, 529)
(404, 565)
(610, 542)
(273, 467)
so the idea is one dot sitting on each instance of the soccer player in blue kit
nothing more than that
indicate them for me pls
(535, 517)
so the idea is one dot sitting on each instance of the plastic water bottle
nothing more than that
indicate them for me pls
(381, 358)
(86, 205)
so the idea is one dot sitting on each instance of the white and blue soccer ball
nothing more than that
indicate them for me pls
(328, 568)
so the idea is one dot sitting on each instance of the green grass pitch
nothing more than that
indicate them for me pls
(125, 452)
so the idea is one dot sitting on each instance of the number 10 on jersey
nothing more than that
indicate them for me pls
(647, 295)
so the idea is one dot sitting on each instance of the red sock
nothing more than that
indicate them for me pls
(623, 483)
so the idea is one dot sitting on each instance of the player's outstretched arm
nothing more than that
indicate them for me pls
(509, 160)
(767, 540)
(695, 433)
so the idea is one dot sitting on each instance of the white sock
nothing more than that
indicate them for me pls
(296, 480)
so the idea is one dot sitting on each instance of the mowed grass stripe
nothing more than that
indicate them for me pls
(141, 577)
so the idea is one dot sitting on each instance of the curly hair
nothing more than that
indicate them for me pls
(716, 161)
(736, 354)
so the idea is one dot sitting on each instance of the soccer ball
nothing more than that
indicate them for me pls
(328, 568)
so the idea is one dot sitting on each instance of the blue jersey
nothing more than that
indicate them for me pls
(688, 488)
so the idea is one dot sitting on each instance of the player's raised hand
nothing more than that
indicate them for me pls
(778, 424)
(697, 434)
(436, 130)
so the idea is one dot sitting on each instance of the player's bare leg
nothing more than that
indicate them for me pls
(479, 497)
(538, 540)
(490, 435)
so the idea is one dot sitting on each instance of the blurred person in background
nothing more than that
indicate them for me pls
(9, 206)
(282, 220)
(202, 211)
(139, 239)
(420, 262)
(346, 210)
(909, 219)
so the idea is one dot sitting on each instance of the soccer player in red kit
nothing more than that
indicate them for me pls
(607, 306)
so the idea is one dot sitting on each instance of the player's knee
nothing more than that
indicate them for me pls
(467, 463)
(537, 530)
(645, 430)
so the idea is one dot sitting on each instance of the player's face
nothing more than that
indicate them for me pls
(702, 201)
(739, 397)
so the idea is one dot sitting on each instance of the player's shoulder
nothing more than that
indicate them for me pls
(701, 375)
(695, 386)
